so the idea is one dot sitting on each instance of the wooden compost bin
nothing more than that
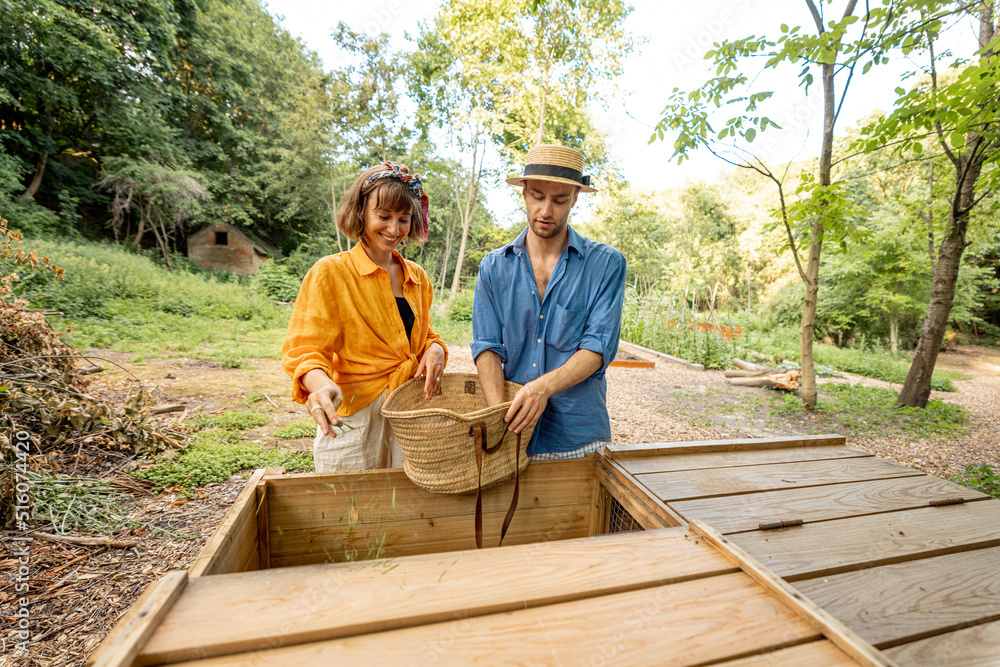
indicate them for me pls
(364, 567)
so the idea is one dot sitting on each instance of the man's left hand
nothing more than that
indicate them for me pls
(528, 405)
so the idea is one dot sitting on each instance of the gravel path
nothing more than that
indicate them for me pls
(672, 402)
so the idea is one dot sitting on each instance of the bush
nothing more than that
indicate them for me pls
(276, 281)
(460, 306)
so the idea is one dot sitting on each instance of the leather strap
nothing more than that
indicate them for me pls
(478, 433)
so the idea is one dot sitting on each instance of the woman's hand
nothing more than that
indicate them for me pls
(324, 399)
(431, 366)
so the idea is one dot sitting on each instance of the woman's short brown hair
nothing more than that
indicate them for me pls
(390, 194)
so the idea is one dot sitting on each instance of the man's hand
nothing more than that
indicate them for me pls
(324, 399)
(528, 405)
(432, 366)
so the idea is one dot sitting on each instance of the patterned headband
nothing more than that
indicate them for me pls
(397, 170)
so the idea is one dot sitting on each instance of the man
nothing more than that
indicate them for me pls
(547, 314)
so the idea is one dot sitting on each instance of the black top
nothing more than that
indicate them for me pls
(406, 314)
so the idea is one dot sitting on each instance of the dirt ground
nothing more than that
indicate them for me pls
(81, 591)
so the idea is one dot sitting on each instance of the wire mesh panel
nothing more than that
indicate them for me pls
(621, 521)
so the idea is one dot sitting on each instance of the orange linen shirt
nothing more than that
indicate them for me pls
(346, 322)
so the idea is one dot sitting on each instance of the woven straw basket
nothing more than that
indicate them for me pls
(438, 436)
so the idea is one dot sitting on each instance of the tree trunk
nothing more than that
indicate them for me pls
(893, 331)
(36, 180)
(929, 214)
(968, 165)
(333, 209)
(161, 240)
(470, 208)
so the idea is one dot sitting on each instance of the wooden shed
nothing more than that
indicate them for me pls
(222, 246)
(739, 553)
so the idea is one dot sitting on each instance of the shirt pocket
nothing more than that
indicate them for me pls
(566, 328)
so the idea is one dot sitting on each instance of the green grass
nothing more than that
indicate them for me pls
(232, 421)
(300, 428)
(127, 302)
(216, 455)
(873, 410)
(780, 344)
(453, 333)
(981, 478)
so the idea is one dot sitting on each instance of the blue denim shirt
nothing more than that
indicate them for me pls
(581, 310)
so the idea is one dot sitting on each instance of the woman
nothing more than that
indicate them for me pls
(361, 324)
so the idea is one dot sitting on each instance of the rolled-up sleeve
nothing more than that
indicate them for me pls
(487, 331)
(313, 333)
(604, 323)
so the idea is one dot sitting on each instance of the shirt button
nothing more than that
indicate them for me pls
(541, 317)
(533, 365)
(539, 340)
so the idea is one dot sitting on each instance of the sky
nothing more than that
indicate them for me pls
(673, 37)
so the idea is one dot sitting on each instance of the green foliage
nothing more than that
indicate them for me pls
(112, 298)
(300, 428)
(873, 410)
(214, 456)
(276, 282)
(981, 478)
(232, 421)
(460, 306)
(663, 321)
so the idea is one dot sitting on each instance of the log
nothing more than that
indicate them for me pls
(747, 366)
(749, 374)
(787, 380)
(163, 409)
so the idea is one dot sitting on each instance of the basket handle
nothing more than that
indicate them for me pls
(478, 433)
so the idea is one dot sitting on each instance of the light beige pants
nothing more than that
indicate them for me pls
(364, 441)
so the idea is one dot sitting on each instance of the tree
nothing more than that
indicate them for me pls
(514, 73)
(77, 83)
(823, 212)
(156, 193)
(963, 119)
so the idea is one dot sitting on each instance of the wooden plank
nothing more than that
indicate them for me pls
(235, 538)
(686, 485)
(647, 509)
(393, 539)
(832, 547)
(598, 499)
(263, 543)
(901, 603)
(732, 514)
(688, 623)
(837, 632)
(978, 646)
(326, 500)
(133, 630)
(286, 606)
(674, 462)
(624, 451)
(814, 654)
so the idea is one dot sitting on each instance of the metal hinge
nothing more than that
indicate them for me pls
(780, 524)
(946, 501)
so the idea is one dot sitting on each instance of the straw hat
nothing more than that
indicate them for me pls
(552, 162)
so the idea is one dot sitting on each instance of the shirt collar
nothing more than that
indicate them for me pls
(517, 245)
(366, 266)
